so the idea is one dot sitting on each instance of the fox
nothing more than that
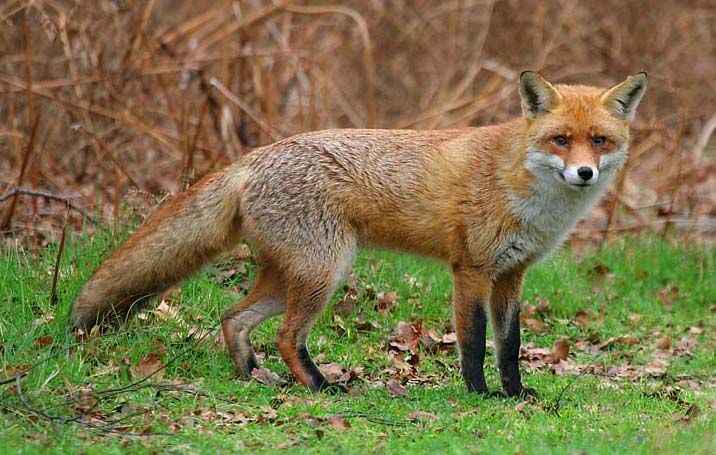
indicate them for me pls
(486, 201)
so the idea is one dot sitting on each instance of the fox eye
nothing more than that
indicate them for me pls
(560, 140)
(599, 140)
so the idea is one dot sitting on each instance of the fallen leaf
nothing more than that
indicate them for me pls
(685, 346)
(386, 300)
(347, 304)
(691, 412)
(165, 311)
(267, 377)
(417, 416)
(395, 389)
(668, 295)
(44, 341)
(581, 318)
(560, 350)
(338, 422)
(664, 343)
(535, 325)
(149, 365)
(449, 338)
(331, 371)
(406, 336)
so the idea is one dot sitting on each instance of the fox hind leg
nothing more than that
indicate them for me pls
(307, 296)
(266, 299)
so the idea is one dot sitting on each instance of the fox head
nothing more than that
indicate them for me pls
(578, 135)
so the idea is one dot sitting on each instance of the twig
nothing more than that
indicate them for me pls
(704, 138)
(53, 292)
(7, 218)
(268, 129)
(554, 406)
(54, 197)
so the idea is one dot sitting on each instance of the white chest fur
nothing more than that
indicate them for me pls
(547, 216)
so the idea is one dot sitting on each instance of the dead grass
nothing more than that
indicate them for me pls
(109, 104)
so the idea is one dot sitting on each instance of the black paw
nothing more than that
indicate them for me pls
(528, 392)
(494, 394)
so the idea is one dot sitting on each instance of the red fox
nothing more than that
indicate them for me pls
(488, 201)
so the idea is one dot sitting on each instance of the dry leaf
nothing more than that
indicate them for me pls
(560, 350)
(338, 422)
(165, 311)
(535, 325)
(44, 341)
(664, 343)
(395, 389)
(581, 318)
(347, 304)
(267, 377)
(416, 416)
(386, 300)
(149, 365)
(668, 295)
(332, 372)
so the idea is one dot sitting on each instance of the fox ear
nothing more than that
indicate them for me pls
(622, 99)
(538, 96)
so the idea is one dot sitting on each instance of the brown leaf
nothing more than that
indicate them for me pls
(635, 318)
(338, 422)
(581, 318)
(449, 338)
(542, 306)
(332, 371)
(85, 401)
(386, 300)
(691, 412)
(406, 337)
(625, 339)
(363, 325)
(560, 350)
(44, 341)
(600, 270)
(165, 311)
(267, 377)
(685, 346)
(395, 389)
(151, 364)
(416, 416)
(347, 304)
(668, 295)
(535, 325)
(664, 343)
(656, 368)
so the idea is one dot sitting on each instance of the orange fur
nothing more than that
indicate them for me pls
(489, 201)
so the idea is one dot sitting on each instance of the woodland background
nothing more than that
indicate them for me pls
(107, 106)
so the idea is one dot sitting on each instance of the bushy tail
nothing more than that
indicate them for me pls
(175, 241)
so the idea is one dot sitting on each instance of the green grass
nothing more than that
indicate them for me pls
(596, 414)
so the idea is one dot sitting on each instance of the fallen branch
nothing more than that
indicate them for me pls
(47, 195)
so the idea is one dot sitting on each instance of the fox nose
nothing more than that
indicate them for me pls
(585, 173)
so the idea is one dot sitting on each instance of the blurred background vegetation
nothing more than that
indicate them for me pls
(106, 106)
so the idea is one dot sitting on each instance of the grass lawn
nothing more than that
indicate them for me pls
(639, 319)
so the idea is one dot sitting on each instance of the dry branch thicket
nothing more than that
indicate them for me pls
(109, 104)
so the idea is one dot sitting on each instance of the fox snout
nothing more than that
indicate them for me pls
(580, 175)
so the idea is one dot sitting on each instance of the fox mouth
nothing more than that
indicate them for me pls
(560, 176)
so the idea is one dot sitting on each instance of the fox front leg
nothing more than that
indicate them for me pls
(470, 297)
(505, 316)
